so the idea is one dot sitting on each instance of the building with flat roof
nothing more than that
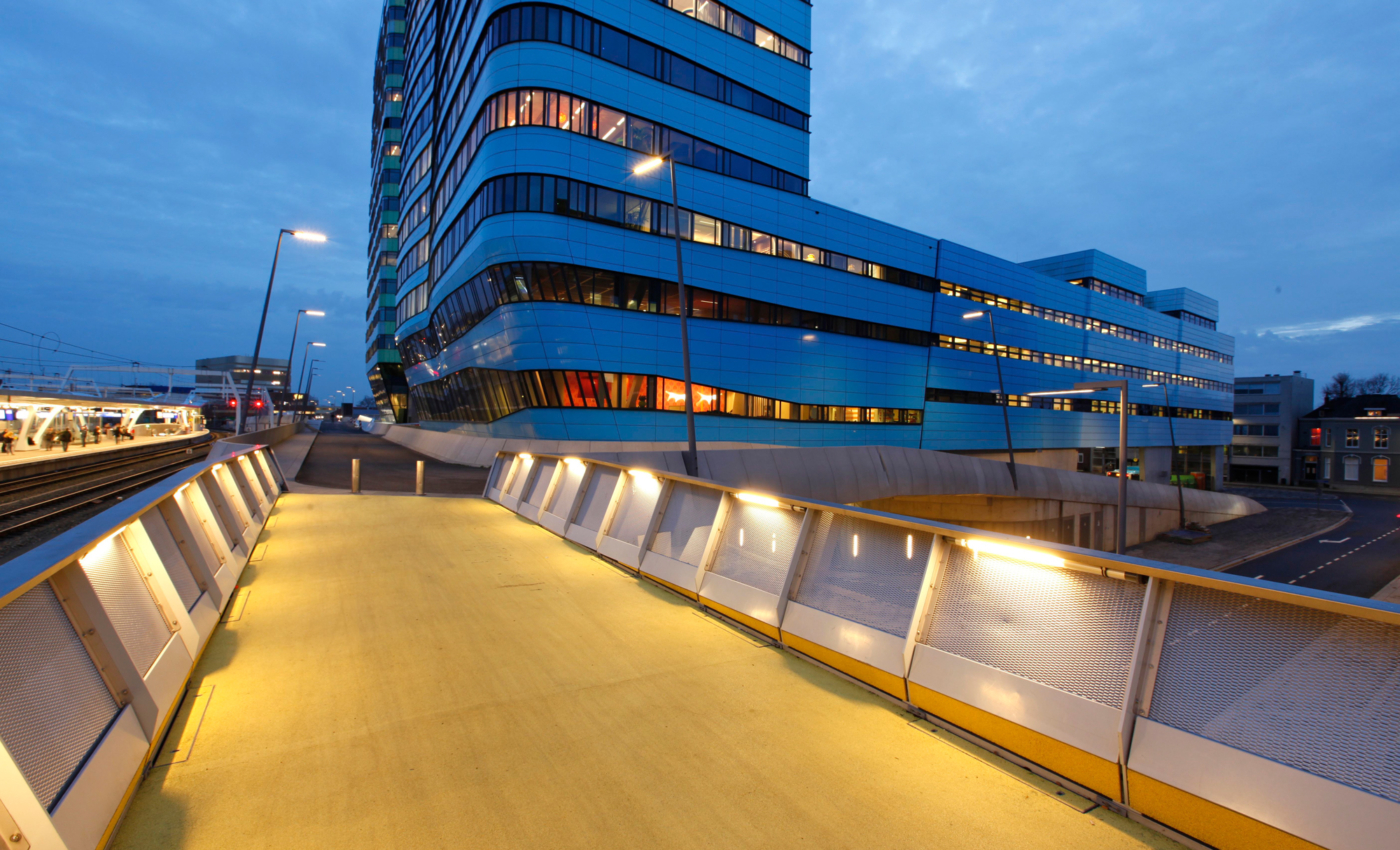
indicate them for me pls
(1267, 409)
(522, 277)
(1349, 442)
(271, 371)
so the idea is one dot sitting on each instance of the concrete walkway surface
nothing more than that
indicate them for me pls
(384, 466)
(439, 673)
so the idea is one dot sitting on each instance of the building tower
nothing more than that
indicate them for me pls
(534, 292)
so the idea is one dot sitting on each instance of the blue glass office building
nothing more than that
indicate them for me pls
(523, 279)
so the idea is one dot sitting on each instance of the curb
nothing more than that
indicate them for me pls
(1294, 542)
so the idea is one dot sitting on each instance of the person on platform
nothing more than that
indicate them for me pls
(65, 437)
(7, 442)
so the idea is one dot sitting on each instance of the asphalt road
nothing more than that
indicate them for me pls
(384, 465)
(1357, 559)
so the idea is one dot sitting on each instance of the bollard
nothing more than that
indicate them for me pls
(355, 475)
(418, 488)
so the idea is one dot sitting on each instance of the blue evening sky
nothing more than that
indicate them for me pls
(1247, 150)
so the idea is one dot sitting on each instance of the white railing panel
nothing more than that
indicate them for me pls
(83, 814)
(757, 544)
(864, 571)
(746, 600)
(862, 643)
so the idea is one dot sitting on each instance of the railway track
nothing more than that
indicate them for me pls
(27, 514)
(31, 482)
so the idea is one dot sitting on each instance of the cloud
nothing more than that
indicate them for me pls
(1332, 326)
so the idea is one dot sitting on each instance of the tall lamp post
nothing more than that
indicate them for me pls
(1001, 387)
(311, 376)
(301, 379)
(692, 460)
(1171, 429)
(262, 323)
(1122, 387)
(291, 352)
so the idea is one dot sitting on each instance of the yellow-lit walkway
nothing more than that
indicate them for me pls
(423, 673)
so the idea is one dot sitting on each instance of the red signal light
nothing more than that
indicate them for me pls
(233, 402)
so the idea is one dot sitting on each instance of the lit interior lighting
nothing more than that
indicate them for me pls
(649, 165)
(855, 545)
(775, 541)
(1016, 552)
(766, 501)
(707, 398)
(909, 547)
(741, 537)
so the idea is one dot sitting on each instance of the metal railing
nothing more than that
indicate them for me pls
(1238, 713)
(100, 629)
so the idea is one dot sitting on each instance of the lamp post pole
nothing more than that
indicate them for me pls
(691, 457)
(310, 376)
(262, 323)
(301, 378)
(1001, 388)
(287, 389)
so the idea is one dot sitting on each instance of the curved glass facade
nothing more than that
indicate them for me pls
(535, 290)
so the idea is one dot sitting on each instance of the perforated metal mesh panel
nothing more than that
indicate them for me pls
(171, 557)
(521, 476)
(1317, 691)
(864, 571)
(255, 476)
(499, 470)
(203, 515)
(265, 464)
(567, 490)
(53, 704)
(1062, 628)
(128, 603)
(757, 545)
(542, 479)
(635, 509)
(685, 526)
(595, 499)
(233, 502)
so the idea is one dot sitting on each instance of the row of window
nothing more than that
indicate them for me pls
(417, 171)
(473, 301)
(1254, 451)
(562, 196)
(1261, 409)
(414, 259)
(724, 18)
(957, 290)
(452, 56)
(1086, 364)
(1380, 438)
(1105, 288)
(1075, 405)
(1257, 389)
(485, 395)
(1351, 468)
(416, 214)
(413, 302)
(563, 26)
(422, 122)
(1256, 430)
(1192, 319)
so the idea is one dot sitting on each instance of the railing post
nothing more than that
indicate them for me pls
(418, 485)
(355, 475)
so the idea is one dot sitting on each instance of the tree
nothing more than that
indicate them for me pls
(1381, 383)
(1341, 386)
(367, 401)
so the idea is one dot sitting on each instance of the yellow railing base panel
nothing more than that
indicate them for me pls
(1206, 821)
(887, 682)
(1070, 762)
(757, 625)
(688, 594)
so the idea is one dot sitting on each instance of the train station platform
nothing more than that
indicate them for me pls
(481, 682)
(33, 456)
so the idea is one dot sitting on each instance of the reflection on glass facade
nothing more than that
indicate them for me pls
(513, 247)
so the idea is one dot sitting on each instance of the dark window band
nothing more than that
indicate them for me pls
(485, 395)
(1085, 364)
(1192, 319)
(561, 196)
(1076, 405)
(1093, 284)
(570, 29)
(511, 283)
(1074, 320)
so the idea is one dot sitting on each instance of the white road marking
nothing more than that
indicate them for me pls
(1343, 540)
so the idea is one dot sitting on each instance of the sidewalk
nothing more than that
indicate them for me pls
(1246, 538)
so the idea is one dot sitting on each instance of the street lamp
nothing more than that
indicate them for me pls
(1122, 387)
(292, 352)
(310, 377)
(1005, 416)
(692, 460)
(1171, 429)
(301, 378)
(307, 236)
